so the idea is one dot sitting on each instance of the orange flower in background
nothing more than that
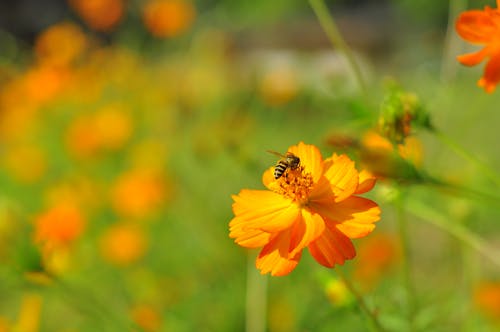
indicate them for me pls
(376, 255)
(314, 205)
(487, 299)
(109, 128)
(482, 27)
(168, 18)
(123, 244)
(137, 193)
(101, 15)
(147, 317)
(60, 44)
(384, 159)
(59, 226)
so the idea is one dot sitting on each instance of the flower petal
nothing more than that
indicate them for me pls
(491, 75)
(305, 230)
(274, 256)
(477, 26)
(263, 210)
(332, 247)
(473, 59)
(366, 182)
(310, 159)
(354, 216)
(268, 178)
(342, 175)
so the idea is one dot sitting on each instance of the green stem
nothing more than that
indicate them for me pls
(452, 43)
(430, 215)
(327, 22)
(406, 258)
(361, 302)
(467, 156)
(256, 298)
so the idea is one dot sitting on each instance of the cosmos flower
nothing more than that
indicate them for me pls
(482, 27)
(168, 18)
(314, 205)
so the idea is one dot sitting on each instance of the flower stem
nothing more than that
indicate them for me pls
(256, 298)
(430, 215)
(467, 156)
(327, 22)
(406, 258)
(361, 302)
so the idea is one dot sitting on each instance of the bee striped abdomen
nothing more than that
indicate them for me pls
(280, 168)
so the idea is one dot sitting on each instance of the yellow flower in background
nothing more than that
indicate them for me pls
(60, 44)
(337, 292)
(25, 162)
(100, 15)
(29, 315)
(138, 193)
(315, 206)
(168, 18)
(123, 244)
(279, 86)
(114, 126)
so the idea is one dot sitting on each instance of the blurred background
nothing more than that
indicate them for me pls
(126, 126)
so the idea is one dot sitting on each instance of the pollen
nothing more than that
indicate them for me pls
(296, 184)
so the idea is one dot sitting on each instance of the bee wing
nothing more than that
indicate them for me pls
(276, 153)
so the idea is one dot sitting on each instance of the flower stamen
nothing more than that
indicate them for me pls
(295, 184)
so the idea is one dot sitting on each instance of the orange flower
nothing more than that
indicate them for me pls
(137, 193)
(59, 226)
(147, 317)
(482, 27)
(168, 18)
(314, 205)
(60, 44)
(376, 256)
(101, 15)
(487, 299)
(123, 244)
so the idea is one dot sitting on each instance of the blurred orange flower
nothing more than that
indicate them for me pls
(43, 83)
(376, 255)
(487, 299)
(101, 15)
(482, 27)
(168, 18)
(380, 156)
(59, 226)
(60, 44)
(147, 317)
(107, 129)
(315, 206)
(137, 193)
(123, 244)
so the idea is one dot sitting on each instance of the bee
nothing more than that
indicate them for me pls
(287, 161)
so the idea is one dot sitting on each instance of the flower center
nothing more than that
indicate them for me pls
(295, 184)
